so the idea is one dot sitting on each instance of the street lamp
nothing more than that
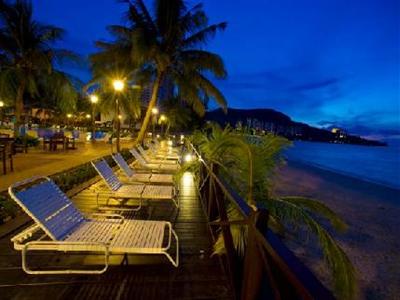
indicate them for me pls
(1, 111)
(118, 87)
(93, 99)
(69, 116)
(154, 110)
(163, 119)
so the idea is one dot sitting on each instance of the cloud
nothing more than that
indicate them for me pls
(295, 89)
(372, 124)
(316, 85)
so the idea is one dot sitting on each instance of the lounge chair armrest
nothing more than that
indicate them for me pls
(105, 215)
(65, 246)
(25, 234)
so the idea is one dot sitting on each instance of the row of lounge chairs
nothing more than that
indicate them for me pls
(68, 230)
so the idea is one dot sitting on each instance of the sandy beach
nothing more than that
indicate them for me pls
(372, 212)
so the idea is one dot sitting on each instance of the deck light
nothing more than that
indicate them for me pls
(1, 103)
(188, 157)
(69, 116)
(88, 116)
(169, 143)
(163, 118)
(120, 117)
(154, 110)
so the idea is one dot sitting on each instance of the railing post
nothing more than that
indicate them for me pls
(253, 266)
(232, 258)
(203, 186)
(255, 261)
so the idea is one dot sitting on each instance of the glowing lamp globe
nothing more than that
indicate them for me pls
(94, 99)
(118, 85)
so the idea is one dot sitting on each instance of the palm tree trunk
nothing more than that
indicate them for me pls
(19, 107)
(152, 103)
(118, 120)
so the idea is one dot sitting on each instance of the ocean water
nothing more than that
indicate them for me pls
(375, 164)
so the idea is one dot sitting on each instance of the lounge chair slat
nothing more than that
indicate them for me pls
(52, 209)
(107, 174)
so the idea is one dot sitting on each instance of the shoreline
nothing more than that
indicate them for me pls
(348, 179)
(372, 212)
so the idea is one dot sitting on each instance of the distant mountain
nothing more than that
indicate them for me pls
(270, 120)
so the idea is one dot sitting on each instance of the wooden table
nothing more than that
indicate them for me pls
(53, 142)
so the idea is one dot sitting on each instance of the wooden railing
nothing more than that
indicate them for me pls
(268, 269)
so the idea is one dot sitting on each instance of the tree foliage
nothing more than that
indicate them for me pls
(165, 44)
(254, 160)
(29, 59)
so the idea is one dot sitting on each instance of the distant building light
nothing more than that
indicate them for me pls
(335, 130)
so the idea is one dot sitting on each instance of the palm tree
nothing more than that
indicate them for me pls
(254, 160)
(166, 45)
(180, 117)
(27, 59)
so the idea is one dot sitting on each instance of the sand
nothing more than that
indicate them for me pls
(372, 212)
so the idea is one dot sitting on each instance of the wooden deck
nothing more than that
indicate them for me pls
(198, 276)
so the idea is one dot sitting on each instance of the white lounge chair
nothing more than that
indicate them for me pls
(169, 154)
(157, 158)
(125, 192)
(157, 147)
(68, 230)
(141, 177)
(159, 166)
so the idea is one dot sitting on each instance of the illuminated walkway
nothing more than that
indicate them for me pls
(146, 277)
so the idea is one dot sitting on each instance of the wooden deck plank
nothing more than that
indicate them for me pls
(199, 275)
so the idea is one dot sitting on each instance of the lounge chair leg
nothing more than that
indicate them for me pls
(175, 262)
(125, 260)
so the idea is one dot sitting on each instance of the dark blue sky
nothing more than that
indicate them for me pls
(322, 62)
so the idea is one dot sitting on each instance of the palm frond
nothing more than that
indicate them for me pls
(342, 270)
(319, 208)
(203, 35)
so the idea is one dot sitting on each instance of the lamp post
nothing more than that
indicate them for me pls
(69, 116)
(163, 119)
(118, 87)
(154, 112)
(93, 99)
(1, 112)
